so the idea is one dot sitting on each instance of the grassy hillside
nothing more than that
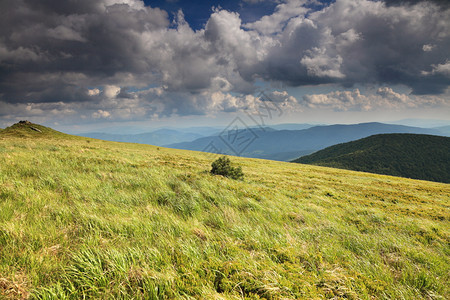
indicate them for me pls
(83, 218)
(408, 155)
(25, 129)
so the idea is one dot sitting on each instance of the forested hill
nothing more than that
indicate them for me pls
(416, 156)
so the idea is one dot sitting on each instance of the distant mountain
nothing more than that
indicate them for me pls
(291, 126)
(415, 156)
(423, 123)
(200, 130)
(445, 130)
(290, 144)
(158, 138)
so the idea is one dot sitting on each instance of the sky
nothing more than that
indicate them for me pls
(89, 65)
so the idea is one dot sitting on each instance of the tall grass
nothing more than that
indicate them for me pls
(82, 218)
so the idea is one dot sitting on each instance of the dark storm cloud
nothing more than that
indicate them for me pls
(44, 42)
(390, 43)
(442, 3)
(62, 7)
(364, 42)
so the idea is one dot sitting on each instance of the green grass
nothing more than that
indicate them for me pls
(83, 218)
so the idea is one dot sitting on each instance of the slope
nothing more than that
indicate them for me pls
(83, 218)
(290, 144)
(416, 156)
(26, 129)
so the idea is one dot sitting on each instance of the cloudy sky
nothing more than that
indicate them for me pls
(83, 64)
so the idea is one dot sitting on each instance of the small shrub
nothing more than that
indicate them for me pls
(222, 166)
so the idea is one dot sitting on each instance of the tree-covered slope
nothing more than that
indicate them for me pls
(407, 155)
(89, 219)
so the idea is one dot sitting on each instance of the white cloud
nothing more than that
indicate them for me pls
(319, 64)
(428, 47)
(133, 4)
(42, 111)
(443, 69)
(111, 91)
(275, 22)
(393, 97)
(101, 114)
(93, 92)
(382, 98)
(339, 100)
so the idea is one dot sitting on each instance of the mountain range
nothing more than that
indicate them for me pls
(285, 145)
(158, 138)
(172, 135)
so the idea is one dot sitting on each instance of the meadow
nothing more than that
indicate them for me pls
(83, 218)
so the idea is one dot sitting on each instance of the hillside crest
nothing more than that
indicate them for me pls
(27, 129)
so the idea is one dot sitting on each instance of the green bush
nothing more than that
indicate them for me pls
(222, 166)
